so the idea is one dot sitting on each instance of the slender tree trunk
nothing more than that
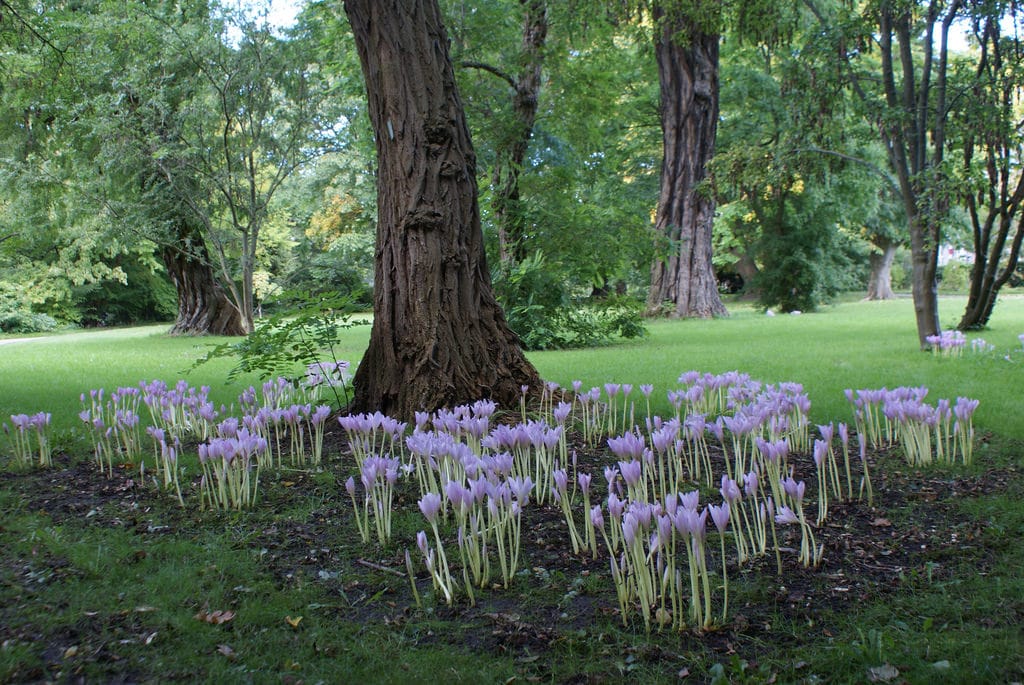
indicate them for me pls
(683, 283)
(508, 214)
(987, 278)
(924, 259)
(439, 337)
(203, 306)
(995, 206)
(880, 280)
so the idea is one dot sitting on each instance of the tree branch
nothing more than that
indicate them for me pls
(31, 29)
(483, 66)
(893, 184)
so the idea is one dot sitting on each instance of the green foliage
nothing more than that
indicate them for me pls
(26, 322)
(303, 330)
(954, 277)
(145, 296)
(543, 313)
(345, 267)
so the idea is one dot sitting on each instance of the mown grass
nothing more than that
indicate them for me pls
(849, 345)
(119, 600)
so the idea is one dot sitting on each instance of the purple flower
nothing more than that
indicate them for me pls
(630, 526)
(730, 489)
(610, 474)
(350, 484)
(561, 412)
(615, 506)
(628, 445)
(751, 481)
(646, 389)
(631, 471)
(584, 480)
(521, 488)
(820, 452)
(690, 500)
(430, 504)
(421, 541)
(596, 517)
(720, 515)
(786, 515)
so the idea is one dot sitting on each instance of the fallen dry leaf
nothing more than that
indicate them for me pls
(293, 622)
(881, 523)
(215, 617)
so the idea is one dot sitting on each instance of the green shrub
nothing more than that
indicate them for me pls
(545, 316)
(954, 277)
(26, 322)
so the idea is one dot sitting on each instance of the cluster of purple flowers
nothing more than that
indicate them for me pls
(942, 432)
(947, 343)
(29, 440)
(230, 467)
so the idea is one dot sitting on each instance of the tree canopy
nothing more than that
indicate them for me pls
(186, 161)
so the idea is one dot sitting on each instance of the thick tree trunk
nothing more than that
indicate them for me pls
(439, 337)
(203, 306)
(683, 284)
(880, 280)
(508, 214)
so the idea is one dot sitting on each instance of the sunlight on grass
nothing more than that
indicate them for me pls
(850, 345)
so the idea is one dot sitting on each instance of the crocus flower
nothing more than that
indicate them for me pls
(430, 505)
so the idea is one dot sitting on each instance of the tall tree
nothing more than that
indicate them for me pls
(525, 87)
(683, 282)
(439, 337)
(906, 98)
(992, 145)
(687, 34)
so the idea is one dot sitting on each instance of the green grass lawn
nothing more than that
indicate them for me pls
(108, 580)
(850, 345)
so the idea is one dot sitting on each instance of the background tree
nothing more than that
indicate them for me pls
(439, 337)
(906, 99)
(687, 37)
(585, 185)
(987, 130)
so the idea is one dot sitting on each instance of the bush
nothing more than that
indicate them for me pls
(542, 312)
(26, 322)
(303, 331)
(954, 277)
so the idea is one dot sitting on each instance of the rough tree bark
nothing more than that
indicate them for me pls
(439, 337)
(880, 280)
(203, 306)
(683, 284)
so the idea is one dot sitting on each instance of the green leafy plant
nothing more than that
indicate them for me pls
(302, 333)
(545, 316)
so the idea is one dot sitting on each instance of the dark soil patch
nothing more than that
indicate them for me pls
(914, 527)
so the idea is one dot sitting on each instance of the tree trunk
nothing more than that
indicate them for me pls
(924, 258)
(987, 278)
(439, 337)
(508, 215)
(203, 306)
(746, 267)
(683, 284)
(880, 280)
